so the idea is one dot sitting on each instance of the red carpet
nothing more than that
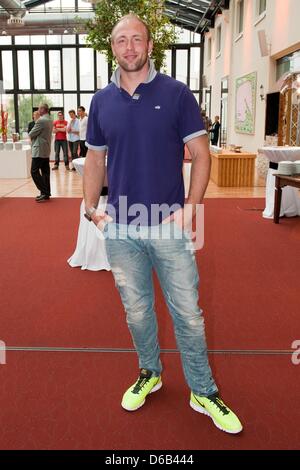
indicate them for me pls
(72, 401)
(250, 279)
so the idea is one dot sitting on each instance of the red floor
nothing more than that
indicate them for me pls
(72, 401)
(249, 290)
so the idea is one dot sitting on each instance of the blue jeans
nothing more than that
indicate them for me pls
(132, 254)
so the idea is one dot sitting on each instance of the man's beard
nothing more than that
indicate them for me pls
(134, 66)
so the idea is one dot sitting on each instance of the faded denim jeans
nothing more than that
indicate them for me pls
(132, 253)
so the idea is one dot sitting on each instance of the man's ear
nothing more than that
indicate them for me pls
(150, 47)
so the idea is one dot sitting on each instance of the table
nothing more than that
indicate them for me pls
(280, 182)
(290, 204)
(90, 252)
(15, 163)
(232, 169)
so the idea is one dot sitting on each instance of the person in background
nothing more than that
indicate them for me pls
(83, 120)
(60, 131)
(143, 119)
(41, 135)
(73, 135)
(214, 131)
(206, 120)
(35, 116)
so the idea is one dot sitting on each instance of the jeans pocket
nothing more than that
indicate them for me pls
(183, 231)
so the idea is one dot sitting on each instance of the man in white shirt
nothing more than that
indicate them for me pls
(73, 135)
(83, 120)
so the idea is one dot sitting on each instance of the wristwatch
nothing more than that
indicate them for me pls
(89, 211)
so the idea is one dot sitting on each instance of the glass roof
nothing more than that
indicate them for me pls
(194, 15)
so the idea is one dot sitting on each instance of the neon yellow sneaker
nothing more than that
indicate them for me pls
(135, 396)
(221, 415)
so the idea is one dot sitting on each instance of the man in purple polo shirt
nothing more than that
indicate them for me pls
(142, 119)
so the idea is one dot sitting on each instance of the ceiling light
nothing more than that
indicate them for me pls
(66, 31)
(4, 33)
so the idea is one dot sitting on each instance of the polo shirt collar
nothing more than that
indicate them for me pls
(116, 76)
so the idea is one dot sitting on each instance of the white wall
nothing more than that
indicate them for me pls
(241, 55)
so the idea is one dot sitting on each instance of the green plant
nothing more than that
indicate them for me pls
(108, 12)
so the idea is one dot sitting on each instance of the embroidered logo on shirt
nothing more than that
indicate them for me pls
(157, 107)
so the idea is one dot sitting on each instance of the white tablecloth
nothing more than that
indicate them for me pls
(290, 203)
(15, 163)
(90, 252)
(279, 154)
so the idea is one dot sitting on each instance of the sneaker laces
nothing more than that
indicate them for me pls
(219, 404)
(144, 378)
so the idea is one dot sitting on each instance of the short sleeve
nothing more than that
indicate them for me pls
(191, 124)
(94, 137)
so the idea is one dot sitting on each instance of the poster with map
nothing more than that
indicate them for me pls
(245, 104)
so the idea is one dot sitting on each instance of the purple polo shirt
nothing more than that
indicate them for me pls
(145, 136)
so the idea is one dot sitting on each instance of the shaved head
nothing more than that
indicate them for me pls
(126, 19)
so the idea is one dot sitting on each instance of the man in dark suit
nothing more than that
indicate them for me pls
(41, 135)
(214, 130)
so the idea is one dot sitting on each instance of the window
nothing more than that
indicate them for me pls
(54, 100)
(219, 39)
(5, 40)
(68, 38)
(209, 50)
(85, 100)
(9, 106)
(23, 70)
(55, 70)
(262, 5)
(102, 70)
(69, 69)
(70, 102)
(25, 112)
(47, 69)
(240, 16)
(183, 35)
(7, 69)
(86, 68)
(38, 39)
(53, 39)
(82, 38)
(182, 65)
(207, 100)
(22, 40)
(196, 38)
(288, 63)
(39, 70)
(195, 68)
(167, 69)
